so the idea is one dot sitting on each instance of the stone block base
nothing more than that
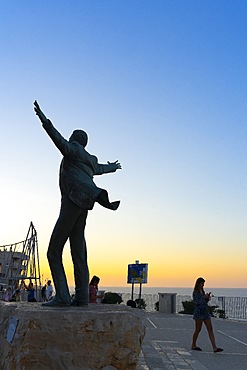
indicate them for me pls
(97, 336)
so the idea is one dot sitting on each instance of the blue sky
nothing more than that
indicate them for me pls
(158, 85)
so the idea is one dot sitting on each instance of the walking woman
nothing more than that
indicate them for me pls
(202, 315)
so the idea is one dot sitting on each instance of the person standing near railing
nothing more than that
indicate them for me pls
(202, 315)
(7, 294)
(49, 291)
(93, 289)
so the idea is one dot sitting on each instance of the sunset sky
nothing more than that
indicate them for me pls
(161, 86)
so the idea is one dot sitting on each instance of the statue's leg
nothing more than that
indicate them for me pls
(68, 216)
(79, 257)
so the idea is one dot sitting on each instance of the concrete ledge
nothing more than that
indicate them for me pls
(70, 338)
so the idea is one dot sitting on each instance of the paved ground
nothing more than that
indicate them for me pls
(167, 344)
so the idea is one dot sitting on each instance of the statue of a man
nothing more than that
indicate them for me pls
(78, 195)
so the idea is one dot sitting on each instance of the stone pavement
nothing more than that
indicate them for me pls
(167, 344)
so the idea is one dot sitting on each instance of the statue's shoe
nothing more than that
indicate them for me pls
(55, 303)
(76, 303)
(115, 205)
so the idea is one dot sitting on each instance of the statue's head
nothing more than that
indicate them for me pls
(80, 136)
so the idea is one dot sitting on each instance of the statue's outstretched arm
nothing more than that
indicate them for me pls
(66, 148)
(106, 168)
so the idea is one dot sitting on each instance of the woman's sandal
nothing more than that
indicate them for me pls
(197, 349)
(218, 350)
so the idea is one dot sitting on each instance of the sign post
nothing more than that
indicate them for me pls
(137, 274)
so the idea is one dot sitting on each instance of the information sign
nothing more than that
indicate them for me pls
(137, 273)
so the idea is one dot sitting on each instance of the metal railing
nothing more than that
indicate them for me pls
(230, 307)
(227, 307)
(234, 307)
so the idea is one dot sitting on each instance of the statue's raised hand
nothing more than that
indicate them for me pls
(39, 112)
(114, 166)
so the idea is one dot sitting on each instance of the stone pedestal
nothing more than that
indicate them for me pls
(97, 336)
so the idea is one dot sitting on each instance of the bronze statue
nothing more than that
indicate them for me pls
(78, 195)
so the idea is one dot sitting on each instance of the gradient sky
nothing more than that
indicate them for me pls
(159, 85)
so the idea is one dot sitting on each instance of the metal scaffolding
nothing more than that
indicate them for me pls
(20, 261)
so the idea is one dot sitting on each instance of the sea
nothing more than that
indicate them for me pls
(153, 292)
(217, 292)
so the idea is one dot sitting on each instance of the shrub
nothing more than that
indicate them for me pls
(221, 314)
(140, 303)
(189, 308)
(131, 303)
(112, 298)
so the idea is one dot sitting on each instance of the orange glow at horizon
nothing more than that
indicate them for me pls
(165, 273)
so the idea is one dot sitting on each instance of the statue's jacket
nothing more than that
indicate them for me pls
(77, 169)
